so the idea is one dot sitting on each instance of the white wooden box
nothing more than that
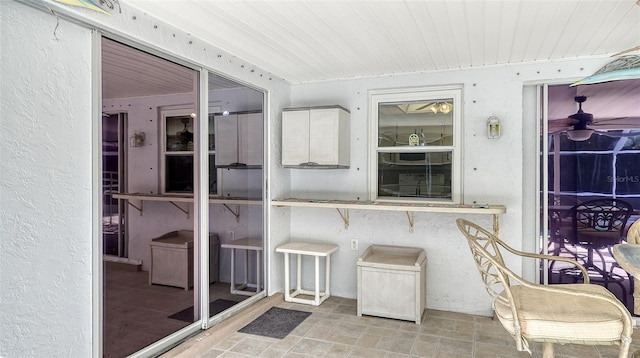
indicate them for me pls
(172, 259)
(392, 282)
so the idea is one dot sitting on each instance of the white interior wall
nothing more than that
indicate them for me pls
(494, 173)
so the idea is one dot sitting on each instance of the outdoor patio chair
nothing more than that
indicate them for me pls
(597, 225)
(566, 314)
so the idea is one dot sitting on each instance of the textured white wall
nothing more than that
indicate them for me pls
(45, 185)
(493, 173)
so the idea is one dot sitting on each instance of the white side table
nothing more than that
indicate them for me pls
(310, 249)
(246, 244)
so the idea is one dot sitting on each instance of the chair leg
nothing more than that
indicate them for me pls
(624, 349)
(547, 350)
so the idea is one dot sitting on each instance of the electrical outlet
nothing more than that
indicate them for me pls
(354, 244)
(231, 235)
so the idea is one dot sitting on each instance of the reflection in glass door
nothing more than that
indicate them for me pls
(236, 151)
(148, 294)
(154, 292)
(589, 200)
(113, 160)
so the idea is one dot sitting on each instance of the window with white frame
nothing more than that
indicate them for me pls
(178, 152)
(416, 138)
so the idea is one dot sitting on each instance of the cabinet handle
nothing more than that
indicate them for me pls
(309, 164)
(238, 165)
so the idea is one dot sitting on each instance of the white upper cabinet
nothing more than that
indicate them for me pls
(239, 139)
(315, 137)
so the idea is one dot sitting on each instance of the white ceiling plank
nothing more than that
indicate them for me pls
(514, 24)
(428, 31)
(457, 27)
(315, 40)
(441, 30)
(481, 34)
(626, 33)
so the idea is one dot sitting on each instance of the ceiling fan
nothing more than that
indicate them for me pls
(580, 125)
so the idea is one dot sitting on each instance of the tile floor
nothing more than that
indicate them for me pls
(136, 315)
(334, 330)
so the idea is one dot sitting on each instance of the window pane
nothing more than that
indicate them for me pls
(627, 178)
(212, 136)
(420, 175)
(179, 133)
(179, 174)
(583, 173)
(213, 175)
(632, 142)
(416, 123)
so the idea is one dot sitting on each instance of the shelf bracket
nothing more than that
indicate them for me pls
(140, 209)
(345, 217)
(235, 213)
(496, 225)
(410, 217)
(181, 209)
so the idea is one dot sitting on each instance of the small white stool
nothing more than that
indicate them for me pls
(311, 249)
(246, 244)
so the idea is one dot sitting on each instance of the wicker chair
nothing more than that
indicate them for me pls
(570, 313)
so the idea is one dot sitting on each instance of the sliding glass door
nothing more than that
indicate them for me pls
(590, 192)
(170, 235)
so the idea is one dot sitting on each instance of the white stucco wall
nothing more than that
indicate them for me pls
(493, 173)
(45, 185)
(45, 198)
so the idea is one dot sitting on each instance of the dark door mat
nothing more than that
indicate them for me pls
(215, 307)
(275, 323)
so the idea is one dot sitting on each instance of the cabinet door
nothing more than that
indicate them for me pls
(250, 138)
(323, 136)
(295, 137)
(226, 139)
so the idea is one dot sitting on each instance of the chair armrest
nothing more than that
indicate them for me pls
(578, 265)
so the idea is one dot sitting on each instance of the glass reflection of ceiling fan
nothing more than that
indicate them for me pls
(581, 125)
(433, 107)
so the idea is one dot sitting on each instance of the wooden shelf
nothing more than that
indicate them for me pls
(188, 198)
(343, 206)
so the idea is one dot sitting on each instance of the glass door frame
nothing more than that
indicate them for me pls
(203, 177)
(201, 200)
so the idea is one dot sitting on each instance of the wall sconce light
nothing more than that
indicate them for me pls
(136, 140)
(493, 128)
